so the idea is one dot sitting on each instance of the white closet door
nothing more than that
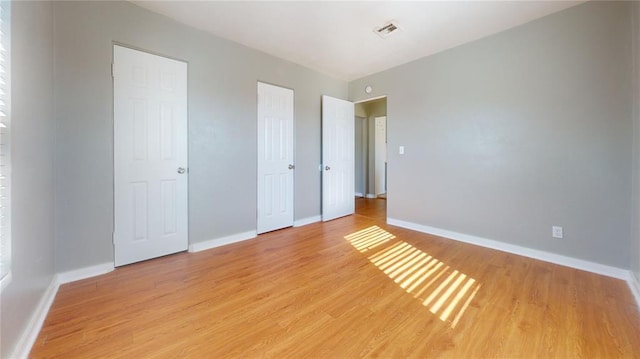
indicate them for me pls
(150, 155)
(275, 158)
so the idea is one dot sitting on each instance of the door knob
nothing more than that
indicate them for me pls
(326, 168)
(291, 167)
(181, 170)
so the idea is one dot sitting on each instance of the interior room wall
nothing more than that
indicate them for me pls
(514, 133)
(635, 219)
(360, 109)
(222, 125)
(32, 127)
(377, 108)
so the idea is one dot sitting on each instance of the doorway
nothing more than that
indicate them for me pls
(371, 154)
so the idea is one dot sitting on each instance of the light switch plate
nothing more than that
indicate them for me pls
(401, 150)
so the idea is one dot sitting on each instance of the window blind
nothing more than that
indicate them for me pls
(5, 148)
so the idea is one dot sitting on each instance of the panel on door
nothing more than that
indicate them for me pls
(338, 153)
(275, 158)
(150, 156)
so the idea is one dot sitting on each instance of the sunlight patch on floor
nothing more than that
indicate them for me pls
(369, 238)
(445, 291)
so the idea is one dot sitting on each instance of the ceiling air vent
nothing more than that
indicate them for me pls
(386, 29)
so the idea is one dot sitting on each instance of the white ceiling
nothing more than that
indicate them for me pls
(337, 37)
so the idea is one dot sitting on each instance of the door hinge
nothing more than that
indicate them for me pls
(112, 71)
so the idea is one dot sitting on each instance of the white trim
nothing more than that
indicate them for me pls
(515, 249)
(86, 272)
(371, 99)
(30, 333)
(359, 194)
(634, 286)
(371, 195)
(305, 221)
(217, 242)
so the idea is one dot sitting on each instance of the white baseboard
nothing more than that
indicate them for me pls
(634, 285)
(515, 249)
(305, 221)
(359, 194)
(30, 333)
(371, 195)
(83, 273)
(217, 242)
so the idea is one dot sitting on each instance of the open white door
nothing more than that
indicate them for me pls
(150, 155)
(338, 152)
(380, 167)
(275, 158)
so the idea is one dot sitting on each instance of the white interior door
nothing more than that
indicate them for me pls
(275, 158)
(380, 166)
(338, 152)
(150, 155)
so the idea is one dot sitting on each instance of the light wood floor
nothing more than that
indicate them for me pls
(350, 288)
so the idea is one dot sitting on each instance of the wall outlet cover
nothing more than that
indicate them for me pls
(557, 232)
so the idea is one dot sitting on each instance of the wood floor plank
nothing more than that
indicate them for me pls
(349, 288)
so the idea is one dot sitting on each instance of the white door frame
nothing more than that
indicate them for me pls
(367, 120)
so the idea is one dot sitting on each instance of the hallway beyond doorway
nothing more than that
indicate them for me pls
(374, 208)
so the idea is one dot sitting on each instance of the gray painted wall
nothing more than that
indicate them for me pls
(32, 166)
(360, 110)
(514, 133)
(635, 220)
(222, 125)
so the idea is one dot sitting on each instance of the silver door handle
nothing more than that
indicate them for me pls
(291, 167)
(181, 170)
(326, 168)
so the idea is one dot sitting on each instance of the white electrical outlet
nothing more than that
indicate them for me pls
(557, 232)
